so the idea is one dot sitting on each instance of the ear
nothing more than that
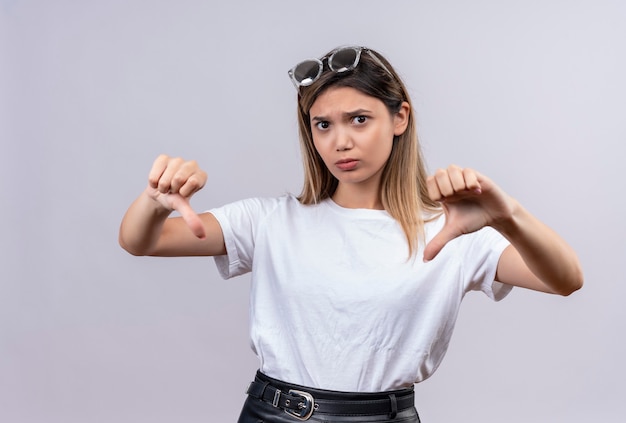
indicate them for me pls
(401, 119)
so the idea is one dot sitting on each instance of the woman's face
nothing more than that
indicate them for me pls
(353, 133)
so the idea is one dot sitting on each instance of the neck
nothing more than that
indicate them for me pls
(357, 197)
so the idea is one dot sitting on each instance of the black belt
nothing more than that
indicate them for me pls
(302, 403)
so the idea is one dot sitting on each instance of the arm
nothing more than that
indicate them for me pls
(537, 258)
(147, 229)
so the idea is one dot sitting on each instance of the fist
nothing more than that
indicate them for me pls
(172, 182)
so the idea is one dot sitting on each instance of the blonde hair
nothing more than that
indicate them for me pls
(403, 182)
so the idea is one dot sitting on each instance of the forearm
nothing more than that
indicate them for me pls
(142, 225)
(543, 251)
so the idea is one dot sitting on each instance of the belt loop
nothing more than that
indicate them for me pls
(254, 387)
(265, 385)
(394, 406)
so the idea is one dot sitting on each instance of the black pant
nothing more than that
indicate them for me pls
(256, 410)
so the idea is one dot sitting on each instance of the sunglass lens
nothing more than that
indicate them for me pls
(307, 72)
(344, 60)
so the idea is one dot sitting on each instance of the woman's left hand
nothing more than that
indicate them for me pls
(470, 202)
(538, 258)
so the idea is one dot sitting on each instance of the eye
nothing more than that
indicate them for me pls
(322, 125)
(359, 120)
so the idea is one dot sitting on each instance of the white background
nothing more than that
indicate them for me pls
(531, 93)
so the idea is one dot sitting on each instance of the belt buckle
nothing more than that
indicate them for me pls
(306, 407)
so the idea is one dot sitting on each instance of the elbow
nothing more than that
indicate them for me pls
(573, 288)
(132, 250)
(573, 284)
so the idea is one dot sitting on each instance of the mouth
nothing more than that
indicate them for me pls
(347, 164)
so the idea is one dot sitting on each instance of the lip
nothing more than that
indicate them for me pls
(347, 164)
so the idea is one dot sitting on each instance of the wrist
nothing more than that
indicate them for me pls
(151, 198)
(509, 224)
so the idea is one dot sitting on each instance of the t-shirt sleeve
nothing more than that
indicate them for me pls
(239, 222)
(484, 249)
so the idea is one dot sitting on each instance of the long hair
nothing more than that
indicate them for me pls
(403, 182)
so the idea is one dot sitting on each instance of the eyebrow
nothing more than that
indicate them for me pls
(356, 112)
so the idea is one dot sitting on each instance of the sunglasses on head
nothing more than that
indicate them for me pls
(343, 59)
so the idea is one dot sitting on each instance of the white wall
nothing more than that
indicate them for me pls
(531, 93)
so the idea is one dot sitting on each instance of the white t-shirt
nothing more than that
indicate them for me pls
(336, 303)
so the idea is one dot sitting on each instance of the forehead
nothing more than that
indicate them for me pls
(344, 99)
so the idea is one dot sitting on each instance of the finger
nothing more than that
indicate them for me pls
(433, 189)
(165, 181)
(444, 184)
(158, 167)
(457, 179)
(471, 180)
(188, 176)
(182, 206)
(438, 242)
(184, 171)
(193, 184)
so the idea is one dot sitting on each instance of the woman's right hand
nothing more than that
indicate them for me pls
(172, 182)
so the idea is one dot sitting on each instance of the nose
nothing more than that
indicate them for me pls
(343, 140)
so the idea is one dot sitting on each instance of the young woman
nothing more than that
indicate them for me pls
(356, 283)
